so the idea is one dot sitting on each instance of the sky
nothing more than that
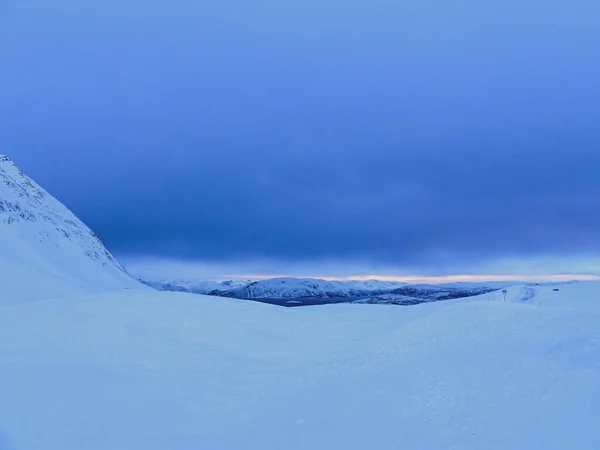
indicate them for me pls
(421, 138)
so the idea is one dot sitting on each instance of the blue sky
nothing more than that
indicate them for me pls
(314, 138)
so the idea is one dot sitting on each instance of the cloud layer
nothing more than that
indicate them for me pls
(430, 135)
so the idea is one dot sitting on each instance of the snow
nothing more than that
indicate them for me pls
(156, 370)
(45, 250)
(577, 296)
(90, 359)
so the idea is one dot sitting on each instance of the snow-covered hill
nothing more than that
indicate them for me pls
(45, 250)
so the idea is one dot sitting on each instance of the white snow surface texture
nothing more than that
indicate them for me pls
(129, 369)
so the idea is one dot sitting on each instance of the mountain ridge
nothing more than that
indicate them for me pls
(45, 242)
(282, 287)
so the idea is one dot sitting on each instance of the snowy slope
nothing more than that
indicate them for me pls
(156, 370)
(45, 250)
(308, 287)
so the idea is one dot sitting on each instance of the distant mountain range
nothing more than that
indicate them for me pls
(284, 288)
(361, 291)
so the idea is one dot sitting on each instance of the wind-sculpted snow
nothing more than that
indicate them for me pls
(46, 250)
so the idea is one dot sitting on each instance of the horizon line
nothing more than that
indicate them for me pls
(433, 279)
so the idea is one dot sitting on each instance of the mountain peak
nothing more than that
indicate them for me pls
(42, 240)
(7, 164)
(5, 161)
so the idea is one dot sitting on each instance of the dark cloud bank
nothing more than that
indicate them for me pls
(353, 131)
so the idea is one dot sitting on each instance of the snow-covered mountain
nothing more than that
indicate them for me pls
(280, 288)
(46, 250)
(308, 288)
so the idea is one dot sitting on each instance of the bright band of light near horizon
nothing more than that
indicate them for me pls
(557, 278)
